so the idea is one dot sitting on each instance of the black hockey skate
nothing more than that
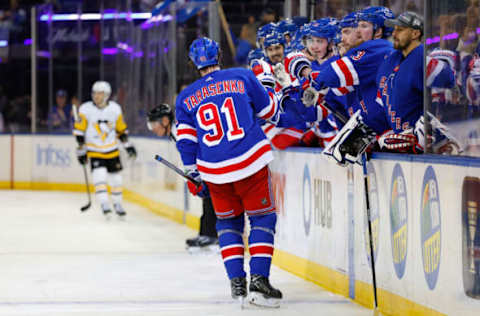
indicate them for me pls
(239, 287)
(262, 293)
(201, 241)
(119, 210)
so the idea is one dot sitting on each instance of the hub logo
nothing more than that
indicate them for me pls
(278, 183)
(471, 236)
(307, 200)
(398, 220)
(53, 156)
(430, 227)
(374, 214)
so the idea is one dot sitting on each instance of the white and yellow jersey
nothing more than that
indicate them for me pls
(100, 127)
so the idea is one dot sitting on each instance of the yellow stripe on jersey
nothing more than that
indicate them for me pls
(109, 155)
(82, 124)
(120, 125)
(111, 145)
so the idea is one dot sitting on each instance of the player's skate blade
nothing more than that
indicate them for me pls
(107, 213)
(120, 211)
(262, 293)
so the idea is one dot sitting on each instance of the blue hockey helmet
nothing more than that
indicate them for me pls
(264, 30)
(256, 53)
(349, 20)
(204, 52)
(274, 38)
(325, 21)
(327, 29)
(287, 27)
(377, 16)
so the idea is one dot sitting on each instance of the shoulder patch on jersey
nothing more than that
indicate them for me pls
(359, 55)
(209, 78)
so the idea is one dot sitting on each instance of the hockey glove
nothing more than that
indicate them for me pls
(200, 190)
(351, 141)
(281, 75)
(404, 142)
(443, 141)
(82, 155)
(131, 151)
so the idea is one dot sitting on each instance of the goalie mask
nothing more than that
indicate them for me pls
(99, 87)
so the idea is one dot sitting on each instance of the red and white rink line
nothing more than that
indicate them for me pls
(55, 260)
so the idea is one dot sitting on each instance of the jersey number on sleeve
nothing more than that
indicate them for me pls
(209, 119)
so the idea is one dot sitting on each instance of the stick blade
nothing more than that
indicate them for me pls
(86, 207)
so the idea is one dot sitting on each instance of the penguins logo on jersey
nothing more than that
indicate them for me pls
(103, 128)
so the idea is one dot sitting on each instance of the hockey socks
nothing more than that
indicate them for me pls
(230, 238)
(260, 243)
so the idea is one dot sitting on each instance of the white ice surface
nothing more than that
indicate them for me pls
(55, 260)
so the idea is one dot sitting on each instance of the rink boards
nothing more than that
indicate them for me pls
(425, 216)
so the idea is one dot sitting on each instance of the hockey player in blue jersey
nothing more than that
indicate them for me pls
(356, 71)
(400, 89)
(222, 145)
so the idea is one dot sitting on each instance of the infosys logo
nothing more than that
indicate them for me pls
(430, 227)
(398, 220)
(52, 156)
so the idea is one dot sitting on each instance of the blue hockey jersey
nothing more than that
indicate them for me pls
(217, 127)
(400, 86)
(356, 73)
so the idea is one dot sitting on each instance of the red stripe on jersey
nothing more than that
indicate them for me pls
(343, 90)
(431, 66)
(324, 112)
(346, 72)
(188, 131)
(234, 251)
(260, 249)
(269, 128)
(272, 105)
(238, 166)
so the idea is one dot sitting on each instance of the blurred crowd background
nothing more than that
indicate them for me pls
(145, 58)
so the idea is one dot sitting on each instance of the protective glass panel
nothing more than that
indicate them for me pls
(455, 104)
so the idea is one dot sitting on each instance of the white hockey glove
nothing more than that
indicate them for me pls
(281, 75)
(310, 96)
(350, 142)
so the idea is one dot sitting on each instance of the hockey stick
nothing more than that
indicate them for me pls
(370, 235)
(343, 119)
(176, 169)
(87, 206)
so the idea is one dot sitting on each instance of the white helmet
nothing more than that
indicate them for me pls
(102, 86)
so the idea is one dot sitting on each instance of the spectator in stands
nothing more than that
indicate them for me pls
(249, 31)
(17, 114)
(60, 116)
(268, 16)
